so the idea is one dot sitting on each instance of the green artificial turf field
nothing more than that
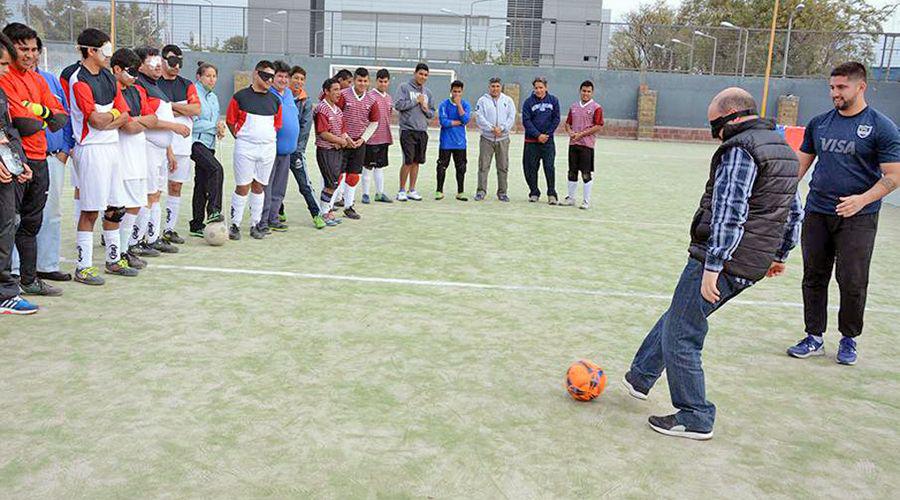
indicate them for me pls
(421, 352)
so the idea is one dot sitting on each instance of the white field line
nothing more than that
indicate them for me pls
(482, 286)
(526, 216)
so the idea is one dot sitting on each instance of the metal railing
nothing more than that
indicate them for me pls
(455, 38)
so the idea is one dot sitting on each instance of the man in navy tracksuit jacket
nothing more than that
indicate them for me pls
(540, 117)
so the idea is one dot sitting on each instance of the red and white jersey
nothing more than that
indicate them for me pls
(358, 110)
(328, 118)
(385, 105)
(90, 94)
(582, 116)
(134, 146)
(254, 116)
(158, 101)
(180, 90)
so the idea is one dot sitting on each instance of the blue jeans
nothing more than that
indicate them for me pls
(298, 168)
(674, 345)
(48, 239)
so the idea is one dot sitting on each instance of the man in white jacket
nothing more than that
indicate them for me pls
(495, 114)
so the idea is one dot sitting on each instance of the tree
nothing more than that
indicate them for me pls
(63, 20)
(5, 13)
(236, 43)
(821, 38)
(635, 44)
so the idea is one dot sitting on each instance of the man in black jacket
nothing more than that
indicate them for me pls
(748, 221)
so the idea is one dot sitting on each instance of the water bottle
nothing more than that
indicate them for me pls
(9, 157)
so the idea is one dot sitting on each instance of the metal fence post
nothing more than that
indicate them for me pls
(376, 37)
(200, 30)
(421, 29)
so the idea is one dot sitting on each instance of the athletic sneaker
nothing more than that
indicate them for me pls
(366, 200)
(121, 268)
(257, 233)
(17, 305)
(551, 200)
(234, 233)
(585, 205)
(401, 196)
(143, 249)
(533, 199)
(351, 214)
(806, 348)
(479, 196)
(215, 217)
(54, 276)
(278, 226)
(634, 389)
(89, 276)
(331, 220)
(438, 195)
(134, 261)
(503, 198)
(164, 246)
(462, 197)
(282, 218)
(568, 202)
(196, 233)
(319, 222)
(383, 198)
(413, 195)
(669, 426)
(172, 236)
(38, 287)
(339, 203)
(846, 352)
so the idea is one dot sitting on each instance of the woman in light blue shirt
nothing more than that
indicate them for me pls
(208, 174)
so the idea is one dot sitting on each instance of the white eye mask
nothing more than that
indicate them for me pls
(106, 50)
(154, 62)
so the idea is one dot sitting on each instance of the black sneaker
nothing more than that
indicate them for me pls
(633, 388)
(339, 203)
(54, 276)
(38, 287)
(143, 249)
(351, 214)
(172, 236)
(164, 246)
(216, 217)
(234, 233)
(669, 426)
(257, 233)
(278, 226)
(134, 261)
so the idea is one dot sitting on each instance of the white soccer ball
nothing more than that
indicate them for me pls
(215, 234)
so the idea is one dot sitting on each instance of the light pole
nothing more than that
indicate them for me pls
(211, 38)
(666, 49)
(489, 28)
(691, 57)
(712, 69)
(737, 58)
(787, 42)
(266, 20)
(316, 41)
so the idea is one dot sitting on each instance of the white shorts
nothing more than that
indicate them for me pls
(182, 172)
(253, 162)
(157, 168)
(134, 193)
(73, 174)
(99, 179)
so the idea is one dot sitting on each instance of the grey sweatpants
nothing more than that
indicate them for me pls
(487, 149)
(276, 189)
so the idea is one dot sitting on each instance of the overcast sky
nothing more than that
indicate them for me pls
(620, 7)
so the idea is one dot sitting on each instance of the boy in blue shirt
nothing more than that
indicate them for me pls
(454, 114)
(540, 117)
(858, 153)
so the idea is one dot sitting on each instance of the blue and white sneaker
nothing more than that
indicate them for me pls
(806, 348)
(846, 352)
(365, 199)
(17, 305)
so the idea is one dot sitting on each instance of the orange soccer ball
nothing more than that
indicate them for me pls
(585, 380)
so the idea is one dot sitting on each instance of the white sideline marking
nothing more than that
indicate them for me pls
(521, 216)
(482, 286)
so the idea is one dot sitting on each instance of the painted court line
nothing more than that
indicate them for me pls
(482, 286)
(521, 216)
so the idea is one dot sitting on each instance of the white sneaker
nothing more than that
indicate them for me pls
(568, 202)
(413, 195)
(401, 196)
(585, 205)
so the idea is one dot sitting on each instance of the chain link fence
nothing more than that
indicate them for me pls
(453, 38)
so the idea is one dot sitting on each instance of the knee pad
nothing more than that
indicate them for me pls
(586, 177)
(114, 214)
(352, 180)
